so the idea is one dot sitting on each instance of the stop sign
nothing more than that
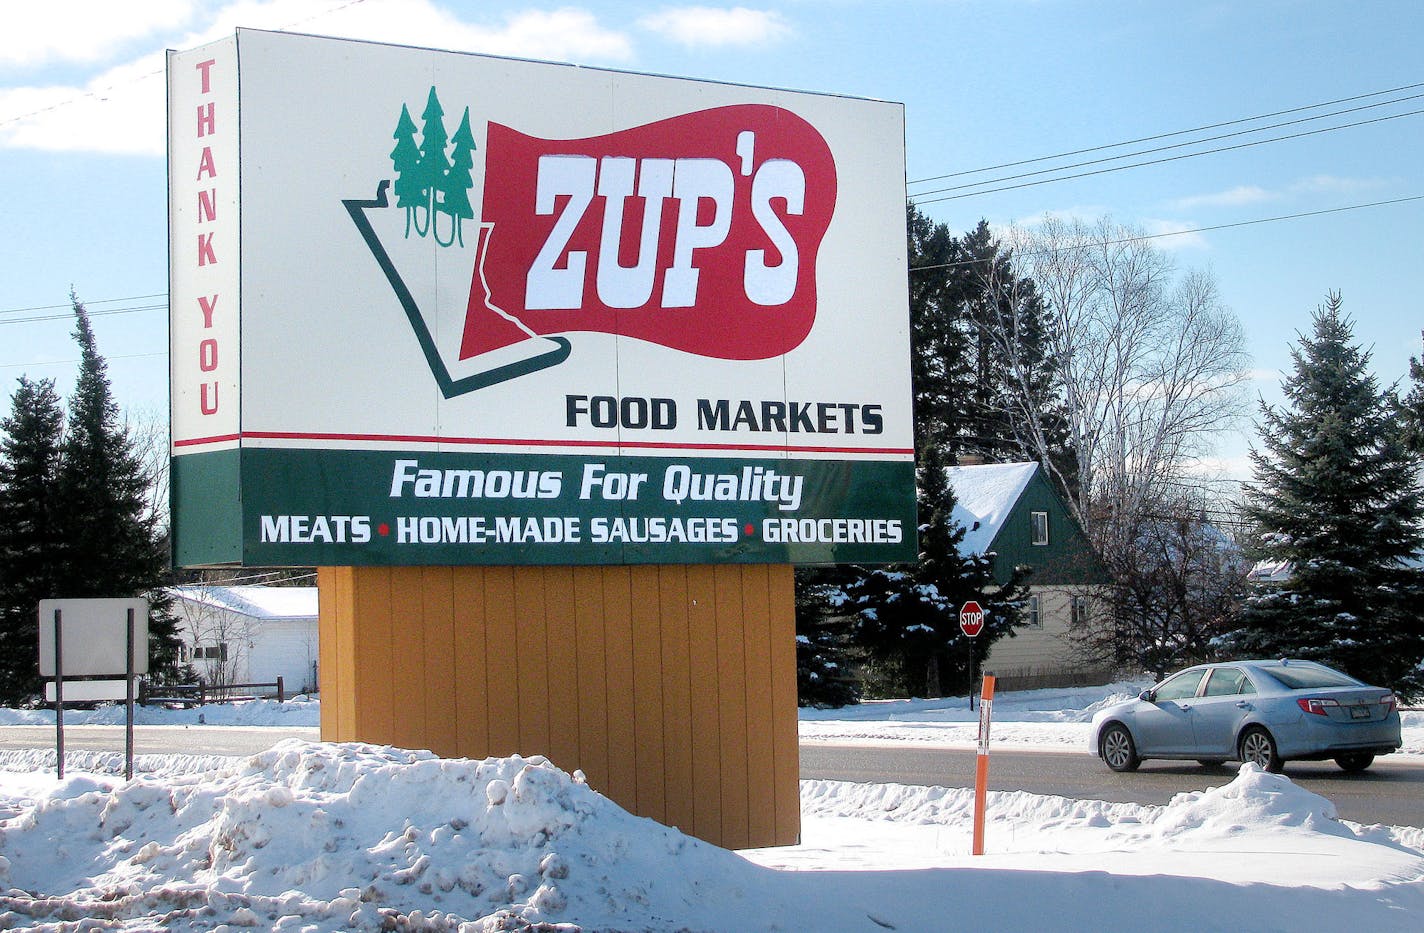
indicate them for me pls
(971, 618)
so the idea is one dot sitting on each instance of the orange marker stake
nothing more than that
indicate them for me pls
(981, 771)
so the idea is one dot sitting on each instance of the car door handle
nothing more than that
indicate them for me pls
(1242, 704)
(1184, 707)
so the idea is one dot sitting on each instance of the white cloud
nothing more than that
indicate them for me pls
(1088, 214)
(717, 26)
(1232, 197)
(82, 30)
(1245, 195)
(1173, 235)
(1332, 184)
(121, 110)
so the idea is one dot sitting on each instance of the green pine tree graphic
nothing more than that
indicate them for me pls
(406, 156)
(458, 182)
(428, 181)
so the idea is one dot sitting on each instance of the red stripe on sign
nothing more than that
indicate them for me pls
(541, 442)
(200, 441)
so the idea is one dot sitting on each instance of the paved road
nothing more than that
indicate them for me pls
(1390, 792)
(156, 740)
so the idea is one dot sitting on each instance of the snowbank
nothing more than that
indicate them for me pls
(329, 837)
(337, 837)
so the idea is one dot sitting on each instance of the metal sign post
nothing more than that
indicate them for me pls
(59, 692)
(981, 770)
(99, 629)
(971, 623)
(129, 696)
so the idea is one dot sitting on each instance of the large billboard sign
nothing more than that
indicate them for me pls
(439, 308)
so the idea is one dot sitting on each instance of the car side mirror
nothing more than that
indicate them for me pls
(1149, 695)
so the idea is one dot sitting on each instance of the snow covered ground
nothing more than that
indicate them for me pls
(313, 837)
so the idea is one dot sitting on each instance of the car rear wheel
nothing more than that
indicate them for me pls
(1356, 762)
(1259, 748)
(1117, 748)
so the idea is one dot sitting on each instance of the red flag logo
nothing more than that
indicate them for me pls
(698, 233)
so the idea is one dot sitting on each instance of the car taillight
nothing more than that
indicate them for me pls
(1390, 703)
(1316, 705)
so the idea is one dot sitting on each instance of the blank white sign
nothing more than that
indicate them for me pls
(95, 632)
(88, 691)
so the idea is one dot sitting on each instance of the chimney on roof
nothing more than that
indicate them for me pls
(970, 459)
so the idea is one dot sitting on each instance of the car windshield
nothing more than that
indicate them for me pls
(1303, 677)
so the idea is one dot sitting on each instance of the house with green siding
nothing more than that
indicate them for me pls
(1012, 512)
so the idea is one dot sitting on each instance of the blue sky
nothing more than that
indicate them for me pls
(984, 83)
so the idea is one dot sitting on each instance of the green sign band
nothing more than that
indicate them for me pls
(303, 507)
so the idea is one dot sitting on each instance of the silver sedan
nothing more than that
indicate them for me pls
(1264, 712)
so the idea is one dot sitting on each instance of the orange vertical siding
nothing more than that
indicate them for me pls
(649, 680)
(471, 688)
(672, 687)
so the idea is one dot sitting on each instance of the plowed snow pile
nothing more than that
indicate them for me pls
(320, 838)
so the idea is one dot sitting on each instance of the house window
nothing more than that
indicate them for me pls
(1035, 617)
(211, 652)
(1079, 608)
(1039, 523)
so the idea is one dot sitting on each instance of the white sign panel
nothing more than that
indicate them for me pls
(497, 311)
(89, 691)
(94, 636)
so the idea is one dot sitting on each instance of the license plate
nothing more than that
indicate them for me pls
(1359, 712)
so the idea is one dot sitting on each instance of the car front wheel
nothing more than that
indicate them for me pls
(1117, 748)
(1259, 748)
(1358, 762)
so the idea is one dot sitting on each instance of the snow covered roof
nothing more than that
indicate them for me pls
(985, 494)
(274, 603)
(1280, 571)
(1270, 571)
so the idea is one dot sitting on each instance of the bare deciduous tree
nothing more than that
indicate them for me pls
(1177, 588)
(1152, 364)
(148, 432)
(220, 641)
(1152, 367)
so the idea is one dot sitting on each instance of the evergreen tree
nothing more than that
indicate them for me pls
(985, 381)
(824, 652)
(939, 362)
(29, 460)
(1335, 498)
(908, 615)
(1413, 408)
(405, 158)
(458, 181)
(107, 544)
(1014, 381)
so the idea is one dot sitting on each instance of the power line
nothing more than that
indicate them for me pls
(100, 93)
(1194, 142)
(1154, 236)
(98, 301)
(1148, 139)
(129, 356)
(1176, 158)
(92, 314)
(942, 265)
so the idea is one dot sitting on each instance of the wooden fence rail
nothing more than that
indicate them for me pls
(200, 694)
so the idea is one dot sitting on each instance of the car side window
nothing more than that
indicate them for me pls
(1228, 681)
(1180, 686)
